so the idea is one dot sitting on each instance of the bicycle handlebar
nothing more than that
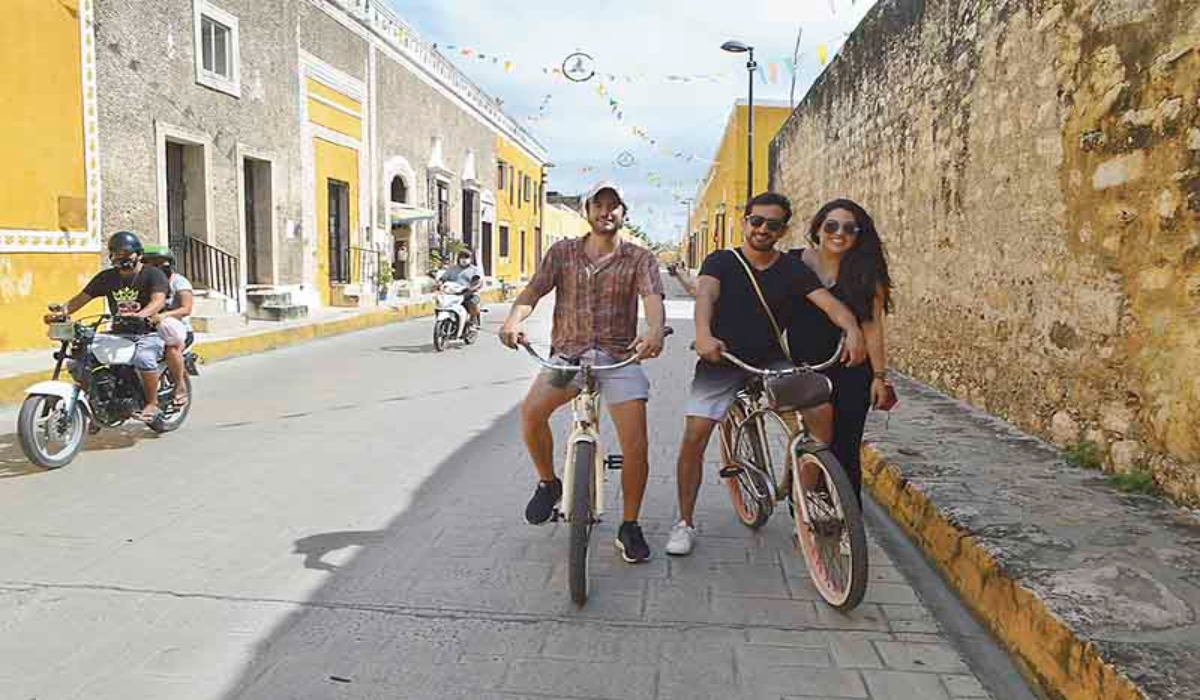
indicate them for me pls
(733, 359)
(667, 331)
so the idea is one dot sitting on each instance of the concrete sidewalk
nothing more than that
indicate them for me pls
(20, 369)
(1096, 591)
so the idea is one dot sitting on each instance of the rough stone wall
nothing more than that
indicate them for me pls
(146, 73)
(410, 114)
(1034, 168)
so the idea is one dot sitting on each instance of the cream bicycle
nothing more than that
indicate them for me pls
(585, 467)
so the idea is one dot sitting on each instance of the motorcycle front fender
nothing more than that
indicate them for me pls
(63, 390)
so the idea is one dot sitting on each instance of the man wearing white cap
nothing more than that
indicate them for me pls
(597, 280)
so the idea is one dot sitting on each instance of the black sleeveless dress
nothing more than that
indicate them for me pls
(812, 338)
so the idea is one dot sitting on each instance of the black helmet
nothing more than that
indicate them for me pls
(124, 242)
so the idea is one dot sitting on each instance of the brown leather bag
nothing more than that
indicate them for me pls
(790, 392)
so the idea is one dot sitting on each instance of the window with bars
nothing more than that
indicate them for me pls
(504, 241)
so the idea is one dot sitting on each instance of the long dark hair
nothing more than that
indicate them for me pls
(864, 270)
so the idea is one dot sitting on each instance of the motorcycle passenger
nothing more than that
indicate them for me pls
(466, 273)
(134, 291)
(173, 323)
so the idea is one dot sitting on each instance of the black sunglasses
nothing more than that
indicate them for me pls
(849, 228)
(773, 225)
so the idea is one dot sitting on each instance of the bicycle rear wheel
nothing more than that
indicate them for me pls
(748, 491)
(582, 497)
(829, 529)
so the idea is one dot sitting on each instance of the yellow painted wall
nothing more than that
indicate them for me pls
(30, 281)
(41, 139)
(332, 162)
(726, 181)
(333, 117)
(41, 124)
(519, 215)
(562, 223)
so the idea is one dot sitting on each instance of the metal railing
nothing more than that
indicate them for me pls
(209, 267)
(356, 265)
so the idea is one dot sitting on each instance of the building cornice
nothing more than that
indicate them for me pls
(397, 38)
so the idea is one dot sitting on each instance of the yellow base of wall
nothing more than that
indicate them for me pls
(1064, 665)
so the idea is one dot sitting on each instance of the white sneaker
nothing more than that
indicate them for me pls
(682, 539)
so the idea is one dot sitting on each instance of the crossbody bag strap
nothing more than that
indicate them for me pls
(779, 336)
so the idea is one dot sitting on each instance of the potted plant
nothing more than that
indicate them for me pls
(384, 281)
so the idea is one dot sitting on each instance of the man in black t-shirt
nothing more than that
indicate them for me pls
(134, 291)
(730, 317)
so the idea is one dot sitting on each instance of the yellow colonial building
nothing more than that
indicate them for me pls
(520, 212)
(715, 218)
(50, 241)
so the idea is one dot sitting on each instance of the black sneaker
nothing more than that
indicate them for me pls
(632, 543)
(541, 506)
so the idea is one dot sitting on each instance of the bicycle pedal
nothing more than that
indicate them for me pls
(731, 472)
(614, 462)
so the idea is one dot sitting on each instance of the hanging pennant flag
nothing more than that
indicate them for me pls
(762, 73)
(790, 66)
(773, 72)
(508, 66)
(822, 53)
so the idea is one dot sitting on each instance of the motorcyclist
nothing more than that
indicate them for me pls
(172, 322)
(466, 273)
(134, 291)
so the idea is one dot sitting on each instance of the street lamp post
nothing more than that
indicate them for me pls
(751, 66)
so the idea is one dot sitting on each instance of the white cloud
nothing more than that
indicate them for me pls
(647, 40)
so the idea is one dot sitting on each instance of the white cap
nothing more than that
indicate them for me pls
(600, 187)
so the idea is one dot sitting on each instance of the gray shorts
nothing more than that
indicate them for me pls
(714, 388)
(629, 383)
(148, 352)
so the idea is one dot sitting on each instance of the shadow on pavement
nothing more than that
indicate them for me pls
(459, 555)
(13, 463)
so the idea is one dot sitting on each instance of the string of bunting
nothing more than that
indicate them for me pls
(770, 72)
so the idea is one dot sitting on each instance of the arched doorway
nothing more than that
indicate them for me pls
(401, 234)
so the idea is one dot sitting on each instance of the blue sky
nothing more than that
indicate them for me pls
(642, 43)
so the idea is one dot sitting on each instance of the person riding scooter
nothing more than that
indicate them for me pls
(136, 292)
(466, 273)
(173, 325)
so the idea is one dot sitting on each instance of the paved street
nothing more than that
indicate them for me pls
(343, 520)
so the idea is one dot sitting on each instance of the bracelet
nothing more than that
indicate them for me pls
(881, 375)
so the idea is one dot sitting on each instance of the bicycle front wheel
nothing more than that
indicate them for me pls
(748, 491)
(582, 498)
(829, 529)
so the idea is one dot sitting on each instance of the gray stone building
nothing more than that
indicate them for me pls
(290, 149)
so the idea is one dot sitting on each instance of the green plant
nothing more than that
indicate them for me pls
(1139, 479)
(1085, 455)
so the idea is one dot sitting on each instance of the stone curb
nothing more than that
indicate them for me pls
(1048, 651)
(12, 389)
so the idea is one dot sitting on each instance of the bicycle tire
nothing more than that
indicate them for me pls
(584, 486)
(753, 512)
(847, 592)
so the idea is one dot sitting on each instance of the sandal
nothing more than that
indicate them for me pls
(180, 400)
(147, 415)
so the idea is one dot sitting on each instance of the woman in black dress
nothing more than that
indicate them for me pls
(848, 255)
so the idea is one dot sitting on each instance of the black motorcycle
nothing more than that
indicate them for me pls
(105, 392)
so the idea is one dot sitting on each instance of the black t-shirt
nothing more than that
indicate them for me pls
(813, 336)
(739, 319)
(129, 296)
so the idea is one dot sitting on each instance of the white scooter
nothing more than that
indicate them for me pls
(452, 321)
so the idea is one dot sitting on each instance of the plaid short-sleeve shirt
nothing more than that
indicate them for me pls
(596, 304)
